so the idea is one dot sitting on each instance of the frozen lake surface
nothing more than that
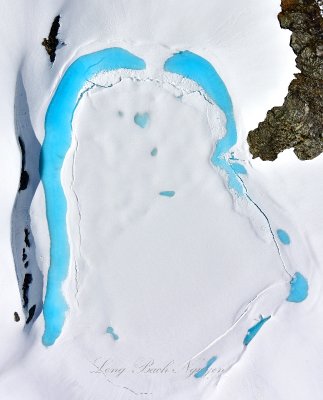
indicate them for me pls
(187, 263)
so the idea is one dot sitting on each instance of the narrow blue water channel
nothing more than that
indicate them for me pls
(252, 332)
(199, 70)
(204, 370)
(58, 132)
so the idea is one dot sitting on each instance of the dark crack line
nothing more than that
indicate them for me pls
(100, 371)
(79, 223)
(234, 325)
(268, 222)
(76, 269)
(160, 82)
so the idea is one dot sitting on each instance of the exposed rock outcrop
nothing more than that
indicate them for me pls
(52, 42)
(298, 123)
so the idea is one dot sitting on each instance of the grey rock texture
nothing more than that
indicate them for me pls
(298, 123)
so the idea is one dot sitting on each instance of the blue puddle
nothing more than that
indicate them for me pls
(252, 332)
(58, 129)
(204, 370)
(111, 332)
(154, 152)
(196, 68)
(141, 119)
(167, 193)
(283, 236)
(298, 288)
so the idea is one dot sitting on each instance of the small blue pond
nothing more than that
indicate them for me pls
(141, 119)
(298, 288)
(283, 236)
(167, 193)
(111, 332)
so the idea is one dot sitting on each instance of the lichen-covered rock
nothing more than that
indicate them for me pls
(298, 123)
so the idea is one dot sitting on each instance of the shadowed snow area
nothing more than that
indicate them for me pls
(29, 276)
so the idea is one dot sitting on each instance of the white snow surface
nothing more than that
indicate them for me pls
(178, 279)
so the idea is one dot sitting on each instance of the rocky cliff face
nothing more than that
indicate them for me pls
(298, 123)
